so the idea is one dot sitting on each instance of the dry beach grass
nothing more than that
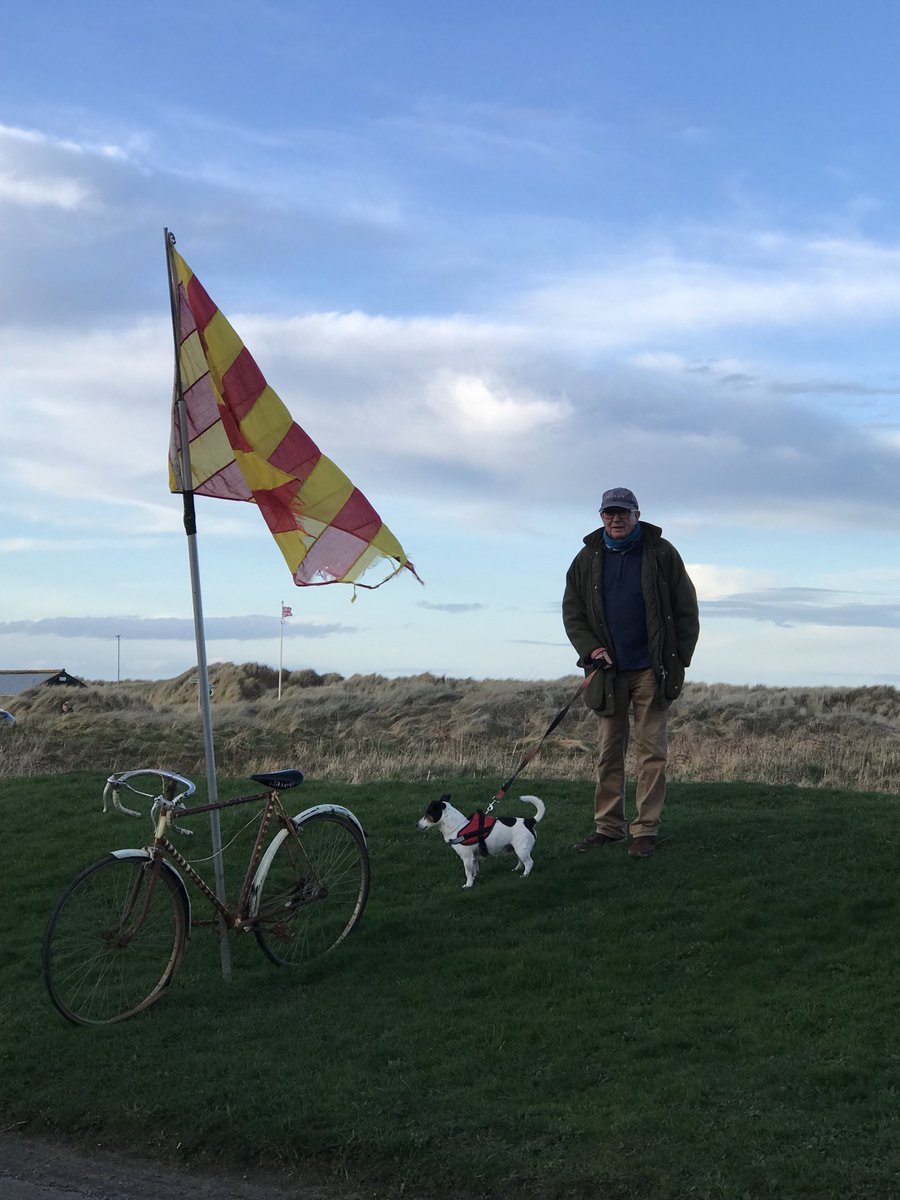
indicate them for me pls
(367, 727)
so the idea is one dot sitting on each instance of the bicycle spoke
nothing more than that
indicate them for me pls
(114, 941)
(314, 890)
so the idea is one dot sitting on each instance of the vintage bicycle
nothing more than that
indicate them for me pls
(118, 933)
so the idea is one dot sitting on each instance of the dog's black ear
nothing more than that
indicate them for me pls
(445, 799)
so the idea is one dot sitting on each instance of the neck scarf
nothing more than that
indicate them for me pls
(624, 543)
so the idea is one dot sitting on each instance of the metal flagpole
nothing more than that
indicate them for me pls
(281, 650)
(190, 528)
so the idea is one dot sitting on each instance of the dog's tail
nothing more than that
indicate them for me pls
(538, 805)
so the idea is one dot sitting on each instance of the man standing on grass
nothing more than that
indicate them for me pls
(630, 610)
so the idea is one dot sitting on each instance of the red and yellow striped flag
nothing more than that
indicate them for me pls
(244, 445)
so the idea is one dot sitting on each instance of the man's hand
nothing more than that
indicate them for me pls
(599, 659)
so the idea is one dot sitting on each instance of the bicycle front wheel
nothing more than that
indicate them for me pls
(114, 940)
(314, 891)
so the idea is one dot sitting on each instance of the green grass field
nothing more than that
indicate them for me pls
(718, 1021)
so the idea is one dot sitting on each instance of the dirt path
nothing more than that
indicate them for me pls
(37, 1170)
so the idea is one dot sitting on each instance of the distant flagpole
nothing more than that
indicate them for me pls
(285, 612)
(190, 528)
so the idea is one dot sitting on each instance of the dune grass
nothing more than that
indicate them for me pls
(422, 727)
(718, 1021)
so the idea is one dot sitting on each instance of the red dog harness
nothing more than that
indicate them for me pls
(476, 831)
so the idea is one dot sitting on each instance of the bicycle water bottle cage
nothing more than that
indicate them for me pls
(279, 780)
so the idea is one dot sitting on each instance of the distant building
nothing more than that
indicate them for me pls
(13, 682)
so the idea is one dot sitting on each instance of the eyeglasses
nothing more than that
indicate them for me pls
(610, 513)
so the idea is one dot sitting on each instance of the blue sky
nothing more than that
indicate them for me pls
(494, 258)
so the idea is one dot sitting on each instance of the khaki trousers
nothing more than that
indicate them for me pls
(635, 690)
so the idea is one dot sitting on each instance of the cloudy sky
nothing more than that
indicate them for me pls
(494, 257)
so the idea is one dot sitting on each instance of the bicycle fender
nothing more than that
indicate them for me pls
(266, 860)
(332, 808)
(166, 866)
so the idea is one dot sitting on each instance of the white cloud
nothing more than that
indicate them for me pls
(248, 627)
(84, 413)
(807, 606)
(745, 652)
(478, 407)
(713, 581)
(38, 171)
(435, 409)
(66, 194)
(771, 282)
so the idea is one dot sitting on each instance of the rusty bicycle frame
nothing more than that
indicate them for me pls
(161, 847)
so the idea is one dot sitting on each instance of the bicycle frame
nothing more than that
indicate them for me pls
(161, 848)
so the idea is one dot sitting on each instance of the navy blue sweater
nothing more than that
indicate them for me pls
(623, 604)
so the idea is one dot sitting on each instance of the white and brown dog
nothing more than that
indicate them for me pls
(471, 837)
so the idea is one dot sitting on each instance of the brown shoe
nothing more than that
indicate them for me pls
(642, 847)
(596, 840)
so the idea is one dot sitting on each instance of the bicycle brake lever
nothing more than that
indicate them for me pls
(161, 803)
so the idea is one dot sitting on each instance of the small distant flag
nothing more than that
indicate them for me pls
(244, 445)
(286, 611)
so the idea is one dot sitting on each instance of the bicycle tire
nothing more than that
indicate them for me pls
(97, 968)
(314, 890)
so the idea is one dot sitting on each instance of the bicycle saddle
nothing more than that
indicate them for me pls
(280, 780)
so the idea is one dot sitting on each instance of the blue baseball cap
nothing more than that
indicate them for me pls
(620, 497)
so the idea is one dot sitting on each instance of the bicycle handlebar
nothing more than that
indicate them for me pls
(170, 793)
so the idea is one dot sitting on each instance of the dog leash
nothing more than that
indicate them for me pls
(533, 752)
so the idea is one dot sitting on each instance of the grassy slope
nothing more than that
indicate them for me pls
(719, 1021)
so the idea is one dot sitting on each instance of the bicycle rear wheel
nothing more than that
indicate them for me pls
(112, 945)
(314, 890)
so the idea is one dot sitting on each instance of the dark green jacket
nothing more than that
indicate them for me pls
(673, 619)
